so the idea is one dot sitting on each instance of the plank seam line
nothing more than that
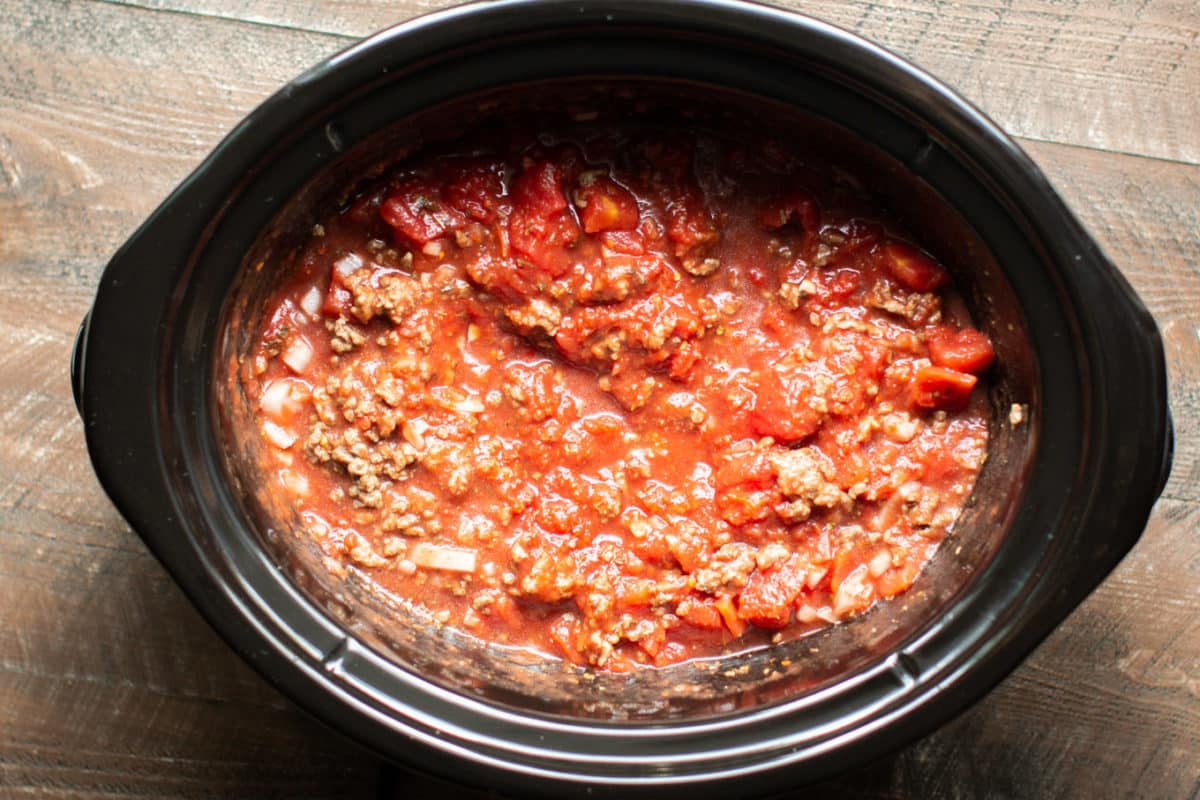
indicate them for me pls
(349, 38)
(1106, 151)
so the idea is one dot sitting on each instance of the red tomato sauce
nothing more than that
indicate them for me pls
(620, 394)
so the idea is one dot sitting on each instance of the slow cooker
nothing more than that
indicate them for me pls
(1080, 430)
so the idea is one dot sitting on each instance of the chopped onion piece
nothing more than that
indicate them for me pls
(806, 614)
(472, 405)
(282, 398)
(815, 576)
(438, 556)
(298, 355)
(854, 593)
(414, 432)
(453, 399)
(347, 265)
(311, 302)
(880, 563)
(278, 436)
(274, 398)
(296, 484)
(432, 248)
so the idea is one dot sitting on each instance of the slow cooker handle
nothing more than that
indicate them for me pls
(77, 362)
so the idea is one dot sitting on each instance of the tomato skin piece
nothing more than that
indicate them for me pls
(966, 350)
(940, 387)
(605, 205)
(735, 624)
(912, 268)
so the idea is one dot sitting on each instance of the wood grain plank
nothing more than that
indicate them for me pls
(1120, 75)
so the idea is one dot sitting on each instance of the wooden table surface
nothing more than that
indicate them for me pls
(110, 683)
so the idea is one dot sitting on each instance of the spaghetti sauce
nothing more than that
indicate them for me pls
(621, 394)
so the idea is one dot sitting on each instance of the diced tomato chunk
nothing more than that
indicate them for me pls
(338, 301)
(541, 221)
(702, 614)
(940, 387)
(416, 210)
(653, 642)
(740, 505)
(565, 633)
(365, 209)
(635, 592)
(781, 409)
(772, 418)
(538, 192)
(966, 350)
(912, 268)
(897, 579)
(750, 467)
(628, 243)
(842, 283)
(766, 601)
(280, 323)
(476, 190)
(692, 553)
(605, 204)
(845, 561)
(690, 224)
(652, 547)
